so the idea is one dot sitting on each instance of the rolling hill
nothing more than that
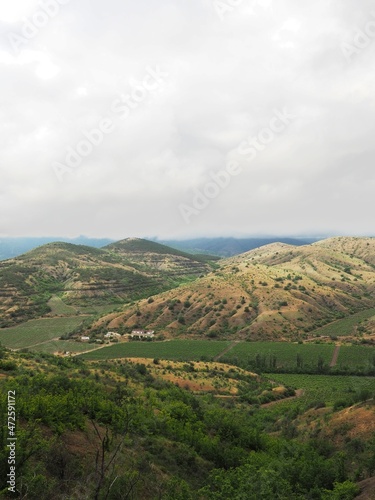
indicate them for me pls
(160, 257)
(83, 275)
(274, 292)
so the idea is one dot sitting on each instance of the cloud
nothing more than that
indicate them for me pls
(223, 80)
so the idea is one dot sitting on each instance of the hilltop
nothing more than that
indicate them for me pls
(82, 276)
(274, 292)
(158, 256)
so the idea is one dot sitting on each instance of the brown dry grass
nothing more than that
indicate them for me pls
(359, 420)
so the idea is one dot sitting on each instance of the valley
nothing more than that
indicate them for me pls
(264, 354)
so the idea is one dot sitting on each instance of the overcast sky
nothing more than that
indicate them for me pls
(180, 118)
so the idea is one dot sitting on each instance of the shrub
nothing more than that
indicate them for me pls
(181, 319)
(283, 303)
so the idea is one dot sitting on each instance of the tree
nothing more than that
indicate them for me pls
(342, 491)
(299, 361)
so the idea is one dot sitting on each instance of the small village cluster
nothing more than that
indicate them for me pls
(135, 334)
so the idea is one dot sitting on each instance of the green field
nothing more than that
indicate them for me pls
(37, 330)
(174, 350)
(327, 388)
(58, 307)
(285, 353)
(344, 326)
(356, 356)
(63, 346)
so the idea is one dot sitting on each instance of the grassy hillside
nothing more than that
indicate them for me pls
(274, 292)
(82, 276)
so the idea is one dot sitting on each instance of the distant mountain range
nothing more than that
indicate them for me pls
(222, 247)
(227, 247)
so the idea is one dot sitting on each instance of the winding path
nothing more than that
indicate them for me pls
(227, 349)
(335, 356)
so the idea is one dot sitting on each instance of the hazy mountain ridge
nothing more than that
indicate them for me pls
(276, 291)
(222, 247)
(228, 247)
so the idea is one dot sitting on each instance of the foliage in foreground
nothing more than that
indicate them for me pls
(112, 431)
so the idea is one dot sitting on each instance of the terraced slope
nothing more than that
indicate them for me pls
(151, 255)
(83, 275)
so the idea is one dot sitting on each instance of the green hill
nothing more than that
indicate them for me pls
(83, 276)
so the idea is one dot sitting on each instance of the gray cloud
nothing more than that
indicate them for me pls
(223, 81)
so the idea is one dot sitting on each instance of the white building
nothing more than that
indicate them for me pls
(111, 335)
(142, 334)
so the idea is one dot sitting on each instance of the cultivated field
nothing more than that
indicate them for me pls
(287, 354)
(61, 346)
(177, 350)
(59, 308)
(36, 331)
(325, 388)
(356, 356)
(345, 326)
